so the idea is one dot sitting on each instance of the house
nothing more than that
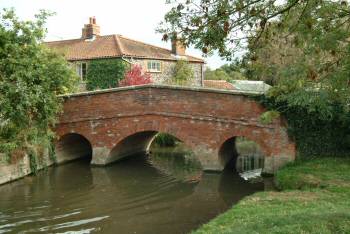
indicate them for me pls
(157, 61)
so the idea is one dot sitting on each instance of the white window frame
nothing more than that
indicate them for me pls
(79, 70)
(154, 66)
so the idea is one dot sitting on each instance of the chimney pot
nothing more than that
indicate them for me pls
(90, 30)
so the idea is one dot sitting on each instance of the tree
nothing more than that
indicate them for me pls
(136, 77)
(314, 34)
(217, 74)
(183, 73)
(31, 78)
(235, 70)
(300, 47)
(223, 73)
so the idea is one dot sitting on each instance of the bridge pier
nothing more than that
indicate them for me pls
(208, 159)
(100, 156)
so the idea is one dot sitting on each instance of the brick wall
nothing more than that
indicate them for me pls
(203, 119)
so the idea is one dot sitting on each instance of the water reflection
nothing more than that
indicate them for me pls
(177, 162)
(159, 193)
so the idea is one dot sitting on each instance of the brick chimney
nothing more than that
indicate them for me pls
(91, 29)
(177, 47)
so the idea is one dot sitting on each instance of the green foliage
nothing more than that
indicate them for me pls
(105, 73)
(33, 161)
(221, 74)
(269, 116)
(314, 133)
(183, 73)
(52, 152)
(225, 26)
(217, 74)
(31, 78)
(322, 206)
(165, 140)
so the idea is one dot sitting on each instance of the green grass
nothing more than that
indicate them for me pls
(314, 198)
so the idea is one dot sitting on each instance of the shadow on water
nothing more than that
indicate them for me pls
(158, 193)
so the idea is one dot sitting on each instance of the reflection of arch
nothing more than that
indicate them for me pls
(72, 146)
(135, 143)
(229, 153)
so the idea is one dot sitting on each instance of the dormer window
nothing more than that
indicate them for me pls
(153, 66)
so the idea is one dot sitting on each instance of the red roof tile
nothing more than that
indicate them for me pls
(112, 46)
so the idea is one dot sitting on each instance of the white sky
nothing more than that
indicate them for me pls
(136, 19)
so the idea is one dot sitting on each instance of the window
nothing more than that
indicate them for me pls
(153, 66)
(81, 69)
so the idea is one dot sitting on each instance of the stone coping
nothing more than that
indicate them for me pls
(172, 87)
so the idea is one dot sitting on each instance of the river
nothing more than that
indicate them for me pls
(165, 192)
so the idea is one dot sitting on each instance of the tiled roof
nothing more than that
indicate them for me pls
(218, 84)
(110, 46)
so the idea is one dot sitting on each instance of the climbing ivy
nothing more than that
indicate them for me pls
(33, 161)
(105, 73)
(52, 152)
(313, 135)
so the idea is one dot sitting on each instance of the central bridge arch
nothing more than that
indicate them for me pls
(122, 121)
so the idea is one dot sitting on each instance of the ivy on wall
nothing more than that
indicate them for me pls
(105, 73)
(313, 135)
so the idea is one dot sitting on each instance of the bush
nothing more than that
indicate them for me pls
(136, 77)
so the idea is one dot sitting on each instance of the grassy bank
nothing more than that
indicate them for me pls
(314, 198)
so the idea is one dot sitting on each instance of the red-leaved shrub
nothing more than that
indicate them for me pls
(135, 77)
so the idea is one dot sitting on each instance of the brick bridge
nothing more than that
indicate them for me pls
(115, 123)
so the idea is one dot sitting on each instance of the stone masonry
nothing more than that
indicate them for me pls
(167, 71)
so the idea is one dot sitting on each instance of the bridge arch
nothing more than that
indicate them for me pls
(236, 149)
(135, 143)
(72, 146)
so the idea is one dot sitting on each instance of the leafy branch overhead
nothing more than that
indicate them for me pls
(299, 46)
(229, 25)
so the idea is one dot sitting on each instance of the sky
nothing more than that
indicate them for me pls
(136, 19)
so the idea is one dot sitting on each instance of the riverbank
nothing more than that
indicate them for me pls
(314, 198)
(11, 170)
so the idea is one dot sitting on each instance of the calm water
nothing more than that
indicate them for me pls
(162, 193)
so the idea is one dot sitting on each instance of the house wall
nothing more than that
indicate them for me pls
(163, 77)
(167, 71)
